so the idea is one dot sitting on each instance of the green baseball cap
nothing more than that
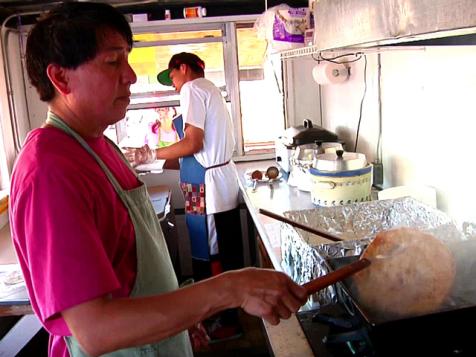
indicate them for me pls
(190, 59)
(164, 77)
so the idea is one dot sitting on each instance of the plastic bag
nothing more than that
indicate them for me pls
(283, 26)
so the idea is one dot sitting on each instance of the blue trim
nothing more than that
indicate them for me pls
(349, 173)
(192, 172)
(178, 125)
(198, 232)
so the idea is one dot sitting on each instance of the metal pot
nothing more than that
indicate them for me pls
(341, 178)
(339, 161)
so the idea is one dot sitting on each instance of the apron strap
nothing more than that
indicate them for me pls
(55, 121)
(219, 165)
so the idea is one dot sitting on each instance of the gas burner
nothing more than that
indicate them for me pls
(332, 331)
(346, 334)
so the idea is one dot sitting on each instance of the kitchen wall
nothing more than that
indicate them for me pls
(427, 97)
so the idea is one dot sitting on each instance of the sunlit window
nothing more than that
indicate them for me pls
(261, 98)
(255, 111)
(152, 52)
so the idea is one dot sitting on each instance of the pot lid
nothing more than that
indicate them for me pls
(339, 161)
(306, 134)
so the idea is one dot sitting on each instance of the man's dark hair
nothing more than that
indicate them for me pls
(195, 63)
(69, 35)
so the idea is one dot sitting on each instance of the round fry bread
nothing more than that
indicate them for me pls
(411, 274)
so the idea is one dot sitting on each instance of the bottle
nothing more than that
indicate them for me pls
(167, 15)
(194, 11)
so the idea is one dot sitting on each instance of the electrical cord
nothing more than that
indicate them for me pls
(359, 55)
(361, 103)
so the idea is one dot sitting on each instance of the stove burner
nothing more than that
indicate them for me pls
(333, 331)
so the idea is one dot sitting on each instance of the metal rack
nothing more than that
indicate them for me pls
(314, 50)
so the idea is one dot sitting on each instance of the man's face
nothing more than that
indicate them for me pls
(100, 88)
(178, 77)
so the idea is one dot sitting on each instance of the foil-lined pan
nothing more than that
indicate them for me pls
(304, 255)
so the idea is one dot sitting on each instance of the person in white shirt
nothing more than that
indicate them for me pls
(207, 173)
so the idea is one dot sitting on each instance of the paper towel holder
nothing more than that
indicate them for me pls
(337, 73)
(330, 72)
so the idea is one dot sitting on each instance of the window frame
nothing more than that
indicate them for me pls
(228, 25)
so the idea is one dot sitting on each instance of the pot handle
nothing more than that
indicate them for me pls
(326, 184)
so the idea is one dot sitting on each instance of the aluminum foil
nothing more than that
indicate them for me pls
(304, 254)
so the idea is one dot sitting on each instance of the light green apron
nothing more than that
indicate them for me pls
(155, 274)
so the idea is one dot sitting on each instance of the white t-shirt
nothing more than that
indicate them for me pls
(203, 107)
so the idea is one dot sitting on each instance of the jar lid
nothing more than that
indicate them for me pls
(339, 161)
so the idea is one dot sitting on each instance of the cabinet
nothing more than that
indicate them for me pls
(160, 197)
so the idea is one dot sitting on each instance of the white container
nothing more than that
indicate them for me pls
(338, 188)
(167, 15)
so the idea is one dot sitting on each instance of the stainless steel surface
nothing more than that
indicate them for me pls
(339, 161)
(286, 339)
(342, 23)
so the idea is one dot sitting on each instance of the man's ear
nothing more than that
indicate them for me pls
(59, 78)
(183, 68)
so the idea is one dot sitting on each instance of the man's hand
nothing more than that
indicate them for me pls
(268, 294)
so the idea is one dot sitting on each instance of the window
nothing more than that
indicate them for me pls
(235, 62)
(260, 96)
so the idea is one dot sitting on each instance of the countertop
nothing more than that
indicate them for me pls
(18, 303)
(286, 339)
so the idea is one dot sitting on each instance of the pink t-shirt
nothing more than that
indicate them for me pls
(71, 232)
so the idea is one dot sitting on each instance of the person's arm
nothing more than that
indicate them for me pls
(104, 325)
(189, 145)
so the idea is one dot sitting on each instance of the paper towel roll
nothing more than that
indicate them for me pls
(329, 73)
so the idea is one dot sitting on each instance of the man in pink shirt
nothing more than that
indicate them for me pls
(91, 249)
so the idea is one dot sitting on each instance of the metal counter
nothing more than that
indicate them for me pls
(286, 339)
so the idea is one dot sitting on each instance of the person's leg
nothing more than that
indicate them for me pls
(201, 269)
(230, 242)
(230, 254)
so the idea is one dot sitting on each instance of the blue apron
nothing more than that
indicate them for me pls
(192, 183)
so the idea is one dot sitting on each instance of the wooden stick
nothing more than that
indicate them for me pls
(322, 282)
(299, 225)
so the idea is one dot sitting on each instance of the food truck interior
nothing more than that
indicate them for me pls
(384, 86)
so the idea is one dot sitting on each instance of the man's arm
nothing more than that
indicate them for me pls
(104, 325)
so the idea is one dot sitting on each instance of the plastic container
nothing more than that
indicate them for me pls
(167, 15)
(194, 11)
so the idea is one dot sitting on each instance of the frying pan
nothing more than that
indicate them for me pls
(436, 334)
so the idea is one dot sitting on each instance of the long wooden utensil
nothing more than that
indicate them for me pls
(301, 226)
(322, 282)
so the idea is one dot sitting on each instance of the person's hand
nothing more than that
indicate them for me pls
(198, 337)
(268, 294)
(137, 156)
